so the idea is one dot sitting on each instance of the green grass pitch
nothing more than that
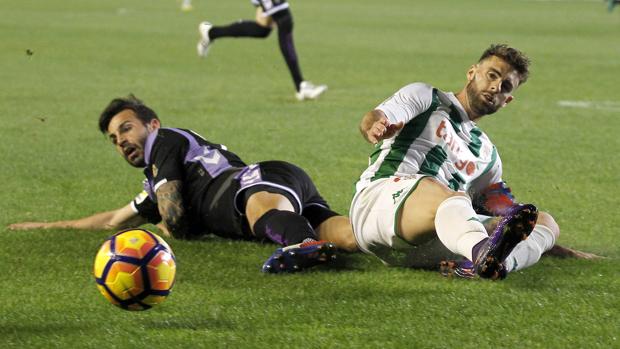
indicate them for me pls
(558, 141)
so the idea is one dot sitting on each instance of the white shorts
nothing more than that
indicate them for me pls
(373, 215)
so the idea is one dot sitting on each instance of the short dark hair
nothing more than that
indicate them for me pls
(517, 59)
(117, 105)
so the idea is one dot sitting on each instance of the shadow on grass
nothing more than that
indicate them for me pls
(556, 274)
(44, 330)
(191, 324)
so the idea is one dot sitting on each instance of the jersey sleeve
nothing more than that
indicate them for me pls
(167, 158)
(145, 207)
(407, 103)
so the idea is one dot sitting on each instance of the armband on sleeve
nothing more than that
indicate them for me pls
(146, 208)
(494, 200)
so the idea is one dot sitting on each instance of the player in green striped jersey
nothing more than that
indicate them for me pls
(430, 160)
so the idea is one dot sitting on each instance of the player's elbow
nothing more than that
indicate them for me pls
(176, 226)
(110, 226)
(544, 218)
(114, 225)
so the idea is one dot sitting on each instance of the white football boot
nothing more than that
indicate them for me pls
(203, 45)
(309, 91)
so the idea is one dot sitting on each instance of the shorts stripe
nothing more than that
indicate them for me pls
(269, 184)
(275, 9)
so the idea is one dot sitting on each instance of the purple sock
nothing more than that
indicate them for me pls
(476, 249)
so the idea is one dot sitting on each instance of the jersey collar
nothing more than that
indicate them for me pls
(458, 106)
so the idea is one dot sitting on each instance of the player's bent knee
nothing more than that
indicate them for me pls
(544, 218)
(262, 202)
(435, 190)
(262, 20)
(348, 243)
(338, 230)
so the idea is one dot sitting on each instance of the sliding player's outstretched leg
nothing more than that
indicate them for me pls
(515, 226)
(282, 205)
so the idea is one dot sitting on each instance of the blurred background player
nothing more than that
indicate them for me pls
(194, 187)
(186, 5)
(268, 13)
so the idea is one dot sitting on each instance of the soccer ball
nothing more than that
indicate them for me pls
(135, 269)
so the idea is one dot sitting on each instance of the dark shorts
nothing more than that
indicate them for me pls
(224, 211)
(271, 6)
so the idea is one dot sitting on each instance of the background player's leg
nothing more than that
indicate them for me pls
(250, 29)
(240, 29)
(273, 216)
(284, 21)
(259, 28)
(305, 89)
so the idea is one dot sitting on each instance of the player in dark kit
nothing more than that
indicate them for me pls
(195, 187)
(268, 12)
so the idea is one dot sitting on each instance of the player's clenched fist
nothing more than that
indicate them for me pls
(382, 129)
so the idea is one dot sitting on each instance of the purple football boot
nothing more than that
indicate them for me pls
(514, 227)
(297, 257)
(462, 269)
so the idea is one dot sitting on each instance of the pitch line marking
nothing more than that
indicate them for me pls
(600, 105)
(561, 1)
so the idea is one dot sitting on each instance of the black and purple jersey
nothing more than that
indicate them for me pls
(217, 184)
(178, 154)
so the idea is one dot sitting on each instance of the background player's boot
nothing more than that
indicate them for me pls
(297, 257)
(512, 229)
(203, 45)
(309, 91)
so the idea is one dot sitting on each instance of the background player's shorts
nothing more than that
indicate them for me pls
(286, 179)
(373, 215)
(271, 6)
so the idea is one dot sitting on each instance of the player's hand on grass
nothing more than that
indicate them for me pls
(28, 225)
(382, 129)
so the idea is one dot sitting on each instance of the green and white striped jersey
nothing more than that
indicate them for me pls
(438, 139)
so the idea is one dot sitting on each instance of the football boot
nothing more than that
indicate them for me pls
(298, 257)
(513, 228)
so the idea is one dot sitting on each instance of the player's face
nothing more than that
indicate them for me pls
(490, 85)
(128, 134)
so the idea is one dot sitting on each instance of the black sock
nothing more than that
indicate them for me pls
(284, 20)
(240, 29)
(283, 227)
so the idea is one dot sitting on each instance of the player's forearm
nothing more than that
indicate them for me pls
(171, 209)
(123, 217)
(99, 221)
